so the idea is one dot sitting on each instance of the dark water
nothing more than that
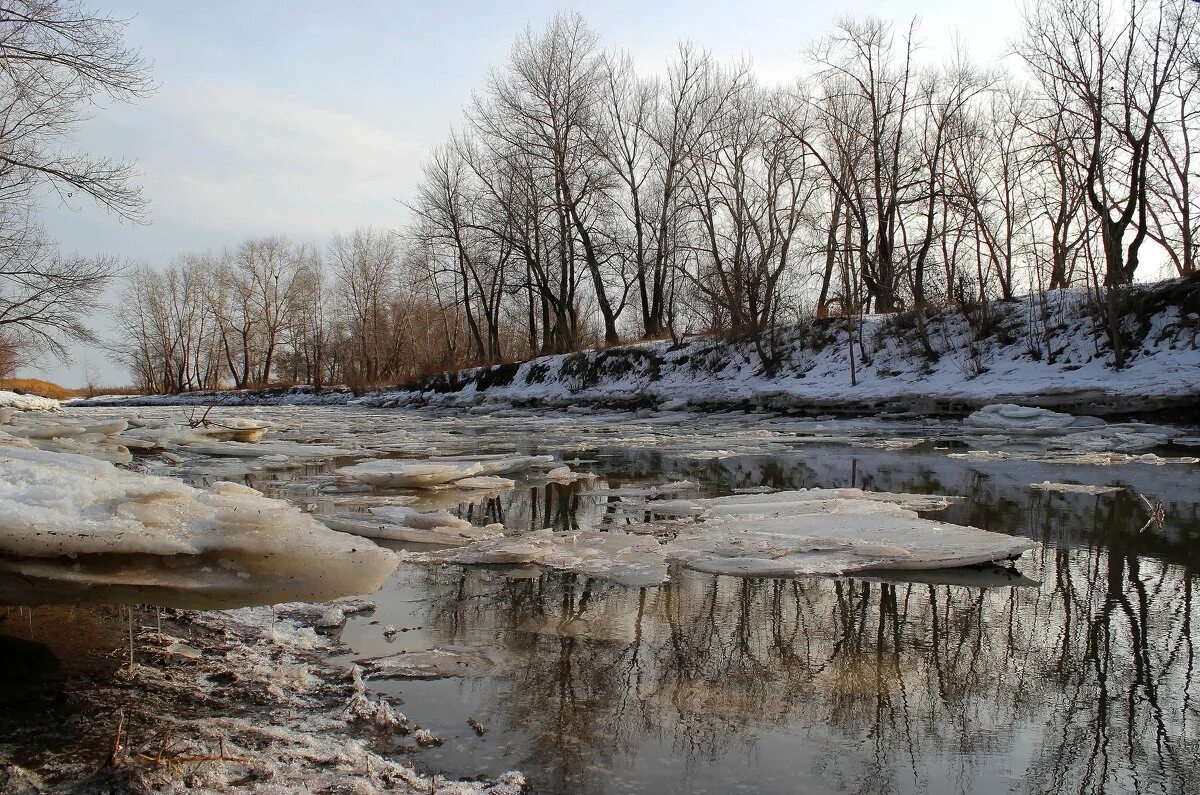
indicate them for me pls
(1074, 675)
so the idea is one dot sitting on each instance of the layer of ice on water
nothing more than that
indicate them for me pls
(1074, 488)
(478, 471)
(1079, 459)
(403, 473)
(739, 503)
(439, 663)
(814, 531)
(66, 508)
(485, 482)
(405, 524)
(631, 560)
(56, 433)
(1027, 419)
(498, 463)
(871, 535)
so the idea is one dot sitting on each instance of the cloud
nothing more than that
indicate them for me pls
(240, 160)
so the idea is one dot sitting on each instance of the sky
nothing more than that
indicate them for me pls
(313, 118)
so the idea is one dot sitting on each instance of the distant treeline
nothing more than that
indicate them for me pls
(582, 203)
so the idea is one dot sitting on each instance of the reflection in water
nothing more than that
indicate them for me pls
(1079, 685)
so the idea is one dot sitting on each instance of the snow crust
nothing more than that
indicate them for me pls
(291, 721)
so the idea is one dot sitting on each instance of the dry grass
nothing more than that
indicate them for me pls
(36, 386)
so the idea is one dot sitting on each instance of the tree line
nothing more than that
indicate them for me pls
(583, 203)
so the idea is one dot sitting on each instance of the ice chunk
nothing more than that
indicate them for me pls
(410, 517)
(1074, 488)
(449, 530)
(406, 473)
(439, 663)
(63, 509)
(814, 531)
(498, 463)
(566, 475)
(822, 543)
(623, 558)
(1027, 419)
(485, 482)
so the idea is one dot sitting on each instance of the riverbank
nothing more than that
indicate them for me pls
(243, 700)
(1052, 352)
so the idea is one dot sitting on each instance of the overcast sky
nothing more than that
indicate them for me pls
(309, 118)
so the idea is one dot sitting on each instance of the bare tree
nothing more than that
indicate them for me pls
(1111, 66)
(57, 61)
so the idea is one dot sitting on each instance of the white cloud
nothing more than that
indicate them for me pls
(249, 162)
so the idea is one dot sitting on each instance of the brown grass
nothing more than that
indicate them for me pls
(36, 386)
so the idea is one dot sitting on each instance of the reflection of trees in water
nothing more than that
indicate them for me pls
(1080, 685)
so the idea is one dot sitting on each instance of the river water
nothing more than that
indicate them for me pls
(1069, 671)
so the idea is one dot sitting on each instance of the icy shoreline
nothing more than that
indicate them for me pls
(243, 701)
(1049, 355)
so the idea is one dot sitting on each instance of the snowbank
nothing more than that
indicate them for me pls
(16, 400)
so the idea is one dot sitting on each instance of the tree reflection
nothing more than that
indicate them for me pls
(1080, 685)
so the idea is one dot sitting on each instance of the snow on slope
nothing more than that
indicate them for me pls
(1048, 353)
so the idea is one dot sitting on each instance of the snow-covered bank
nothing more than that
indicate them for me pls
(23, 402)
(1051, 353)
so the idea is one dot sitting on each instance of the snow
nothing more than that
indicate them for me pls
(1052, 353)
(61, 509)
(15, 400)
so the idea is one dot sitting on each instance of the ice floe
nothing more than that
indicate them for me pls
(815, 531)
(70, 519)
(439, 663)
(401, 523)
(627, 559)
(1027, 419)
(1074, 488)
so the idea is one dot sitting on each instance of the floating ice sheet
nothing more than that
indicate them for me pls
(66, 511)
(1074, 488)
(401, 523)
(815, 531)
(439, 663)
(618, 557)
